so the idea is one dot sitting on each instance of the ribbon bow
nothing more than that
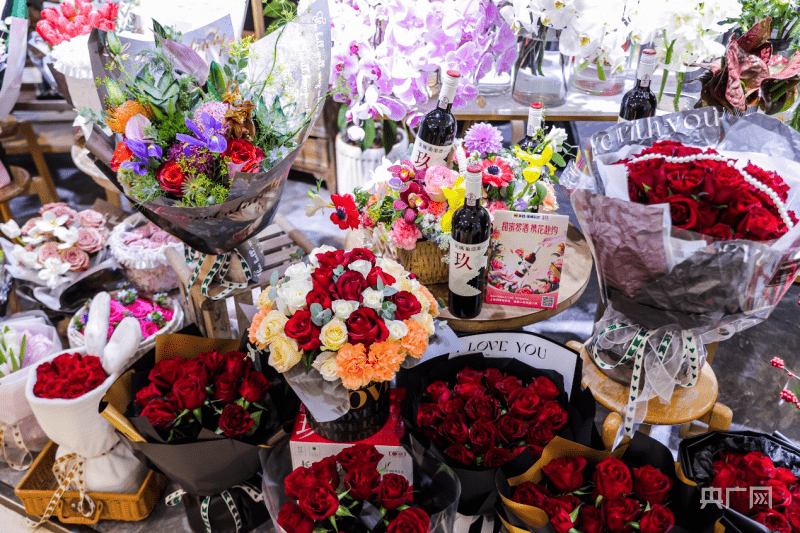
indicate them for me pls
(256, 495)
(68, 469)
(219, 269)
(17, 434)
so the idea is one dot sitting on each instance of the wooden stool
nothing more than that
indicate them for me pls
(278, 242)
(22, 184)
(688, 405)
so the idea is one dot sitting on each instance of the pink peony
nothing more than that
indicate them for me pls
(77, 259)
(139, 308)
(90, 240)
(405, 235)
(92, 219)
(437, 178)
(148, 328)
(48, 250)
(496, 205)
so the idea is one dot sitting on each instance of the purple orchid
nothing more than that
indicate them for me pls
(144, 152)
(210, 140)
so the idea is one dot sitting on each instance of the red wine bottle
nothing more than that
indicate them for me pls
(437, 130)
(533, 134)
(469, 248)
(640, 102)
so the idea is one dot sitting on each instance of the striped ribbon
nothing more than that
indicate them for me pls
(17, 434)
(68, 469)
(219, 269)
(255, 494)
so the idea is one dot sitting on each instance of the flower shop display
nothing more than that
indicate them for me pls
(482, 411)
(574, 488)
(156, 316)
(338, 329)
(139, 247)
(710, 255)
(347, 493)
(24, 341)
(13, 36)
(65, 391)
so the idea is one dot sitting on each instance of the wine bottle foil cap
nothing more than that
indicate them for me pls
(649, 56)
(454, 73)
(475, 167)
(537, 105)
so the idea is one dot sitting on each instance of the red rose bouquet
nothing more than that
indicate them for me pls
(693, 240)
(69, 376)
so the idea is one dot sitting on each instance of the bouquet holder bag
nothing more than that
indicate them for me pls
(525, 355)
(90, 456)
(209, 466)
(11, 76)
(436, 487)
(640, 451)
(20, 434)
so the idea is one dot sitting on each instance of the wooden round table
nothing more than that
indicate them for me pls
(574, 280)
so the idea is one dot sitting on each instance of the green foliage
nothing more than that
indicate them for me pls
(389, 135)
(170, 126)
(785, 17)
(282, 11)
(369, 134)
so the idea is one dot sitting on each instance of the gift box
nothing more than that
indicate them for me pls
(307, 447)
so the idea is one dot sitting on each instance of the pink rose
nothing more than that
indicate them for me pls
(28, 226)
(48, 250)
(92, 219)
(148, 328)
(497, 264)
(77, 259)
(437, 178)
(90, 239)
(496, 205)
(139, 308)
(405, 235)
(117, 312)
(160, 237)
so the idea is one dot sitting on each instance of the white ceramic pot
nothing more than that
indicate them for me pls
(354, 166)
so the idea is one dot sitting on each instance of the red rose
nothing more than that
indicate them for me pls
(566, 473)
(359, 254)
(651, 485)
(195, 367)
(760, 225)
(428, 414)
(658, 519)
(483, 436)
(244, 156)
(508, 385)
(330, 259)
(362, 483)
(376, 274)
(561, 521)
(719, 231)
(146, 394)
(434, 437)
(121, 154)
(73, 390)
(326, 472)
(466, 391)
(160, 413)
(301, 328)
(785, 476)
(686, 182)
(757, 468)
(511, 428)
(781, 497)
(454, 430)
(190, 392)
(492, 377)
(214, 361)
(551, 412)
(225, 388)
(359, 455)
(497, 457)
(50, 387)
(67, 362)
(254, 386)
(319, 502)
(618, 513)
(438, 391)
(322, 277)
(454, 405)
(482, 408)
(727, 181)
(238, 364)
(298, 481)
(742, 203)
(590, 519)
(460, 454)
(770, 179)
(773, 520)
(726, 476)
(365, 326)
(739, 500)
(540, 435)
(522, 403)
(529, 493)
(234, 421)
(612, 479)
(171, 178)
(469, 375)
(793, 517)
(393, 491)
(545, 388)
(349, 286)
(684, 212)
(411, 520)
(291, 518)
(407, 305)
(318, 295)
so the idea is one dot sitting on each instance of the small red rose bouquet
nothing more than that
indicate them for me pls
(69, 376)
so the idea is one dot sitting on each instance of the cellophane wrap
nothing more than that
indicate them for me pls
(11, 75)
(674, 283)
(303, 55)
(436, 487)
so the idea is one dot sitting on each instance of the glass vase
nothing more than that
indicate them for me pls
(540, 70)
(588, 79)
(494, 84)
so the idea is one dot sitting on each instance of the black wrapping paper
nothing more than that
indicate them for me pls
(252, 513)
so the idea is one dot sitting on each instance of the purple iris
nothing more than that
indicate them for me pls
(211, 141)
(520, 205)
(143, 152)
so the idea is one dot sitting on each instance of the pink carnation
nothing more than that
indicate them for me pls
(48, 250)
(436, 179)
(405, 235)
(139, 308)
(148, 328)
(496, 205)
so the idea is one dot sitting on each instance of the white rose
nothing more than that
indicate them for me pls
(423, 301)
(426, 320)
(343, 308)
(292, 295)
(372, 298)
(333, 335)
(403, 284)
(363, 266)
(284, 353)
(298, 271)
(325, 363)
(312, 257)
(397, 329)
(393, 268)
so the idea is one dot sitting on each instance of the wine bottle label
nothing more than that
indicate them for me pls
(467, 267)
(426, 155)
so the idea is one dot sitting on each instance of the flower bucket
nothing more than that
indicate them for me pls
(369, 411)
(425, 261)
(354, 166)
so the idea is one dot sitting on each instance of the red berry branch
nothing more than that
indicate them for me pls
(786, 395)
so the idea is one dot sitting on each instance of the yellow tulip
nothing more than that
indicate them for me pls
(532, 174)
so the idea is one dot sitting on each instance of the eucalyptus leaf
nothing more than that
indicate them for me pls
(273, 278)
(389, 291)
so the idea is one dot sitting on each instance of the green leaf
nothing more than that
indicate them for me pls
(216, 81)
(389, 135)
(574, 514)
(369, 134)
(558, 159)
(113, 42)
(341, 120)
(541, 192)
(343, 511)
(273, 278)
(159, 30)
(598, 500)
(198, 415)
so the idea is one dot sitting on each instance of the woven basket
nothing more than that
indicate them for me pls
(39, 484)
(425, 261)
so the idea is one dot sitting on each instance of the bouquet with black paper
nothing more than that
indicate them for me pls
(745, 478)
(489, 405)
(348, 494)
(572, 486)
(200, 411)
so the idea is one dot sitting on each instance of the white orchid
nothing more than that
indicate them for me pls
(34, 237)
(26, 258)
(11, 229)
(68, 236)
(49, 222)
(52, 272)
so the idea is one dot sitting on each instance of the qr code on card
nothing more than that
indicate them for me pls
(547, 301)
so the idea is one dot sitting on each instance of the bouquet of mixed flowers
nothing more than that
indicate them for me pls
(53, 248)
